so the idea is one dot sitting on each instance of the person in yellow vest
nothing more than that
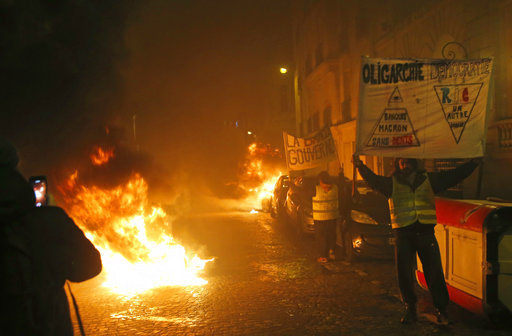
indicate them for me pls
(325, 214)
(410, 192)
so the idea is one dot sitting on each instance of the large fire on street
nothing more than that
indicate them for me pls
(138, 253)
(135, 238)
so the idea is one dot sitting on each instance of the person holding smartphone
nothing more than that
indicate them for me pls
(53, 250)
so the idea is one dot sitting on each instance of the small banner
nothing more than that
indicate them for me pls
(306, 153)
(423, 108)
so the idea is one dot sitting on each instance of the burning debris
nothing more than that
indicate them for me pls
(101, 156)
(134, 238)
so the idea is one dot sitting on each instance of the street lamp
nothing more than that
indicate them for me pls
(283, 70)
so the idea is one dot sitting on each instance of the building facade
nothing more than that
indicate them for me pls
(331, 36)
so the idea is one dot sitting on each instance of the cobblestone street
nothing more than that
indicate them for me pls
(263, 282)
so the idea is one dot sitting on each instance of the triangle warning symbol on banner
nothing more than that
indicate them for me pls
(394, 129)
(457, 102)
(395, 97)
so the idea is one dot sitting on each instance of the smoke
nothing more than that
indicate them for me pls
(178, 84)
(171, 86)
(201, 74)
(59, 77)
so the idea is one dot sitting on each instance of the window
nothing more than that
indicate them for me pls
(310, 125)
(343, 41)
(319, 54)
(316, 122)
(345, 107)
(345, 111)
(309, 65)
(327, 116)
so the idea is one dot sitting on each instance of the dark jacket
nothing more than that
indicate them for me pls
(344, 195)
(59, 251)
(439, 181)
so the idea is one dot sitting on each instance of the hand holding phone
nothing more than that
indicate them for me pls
(40, 186)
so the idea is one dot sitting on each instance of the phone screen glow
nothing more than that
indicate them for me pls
(40, 192)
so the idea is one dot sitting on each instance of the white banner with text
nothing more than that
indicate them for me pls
(423, 108)
(306, 153)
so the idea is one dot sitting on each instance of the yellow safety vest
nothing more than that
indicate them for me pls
(407, 206)
(325, 204)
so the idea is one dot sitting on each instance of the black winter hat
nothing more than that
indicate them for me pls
(8, 154)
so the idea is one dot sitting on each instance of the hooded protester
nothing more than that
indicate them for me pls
(410, 192)
(41, 249)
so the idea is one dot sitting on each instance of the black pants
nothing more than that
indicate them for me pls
(325, 236)
(420, 238)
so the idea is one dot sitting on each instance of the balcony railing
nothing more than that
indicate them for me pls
(504, 128)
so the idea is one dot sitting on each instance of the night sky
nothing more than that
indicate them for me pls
(187, 70)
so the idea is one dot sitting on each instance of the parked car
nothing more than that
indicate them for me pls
(278, 197)
(366, 229)
(298, 204)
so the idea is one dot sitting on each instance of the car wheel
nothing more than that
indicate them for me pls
(348, 248)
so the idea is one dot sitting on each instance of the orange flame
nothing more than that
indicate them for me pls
(101, 156)
(137, 252)
(258, 177)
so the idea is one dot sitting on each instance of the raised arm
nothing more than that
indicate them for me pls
(443, 180)
(382, 184)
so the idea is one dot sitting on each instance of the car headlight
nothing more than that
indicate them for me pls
(363, 218)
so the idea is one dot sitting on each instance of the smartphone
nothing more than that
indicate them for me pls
(40, 186)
